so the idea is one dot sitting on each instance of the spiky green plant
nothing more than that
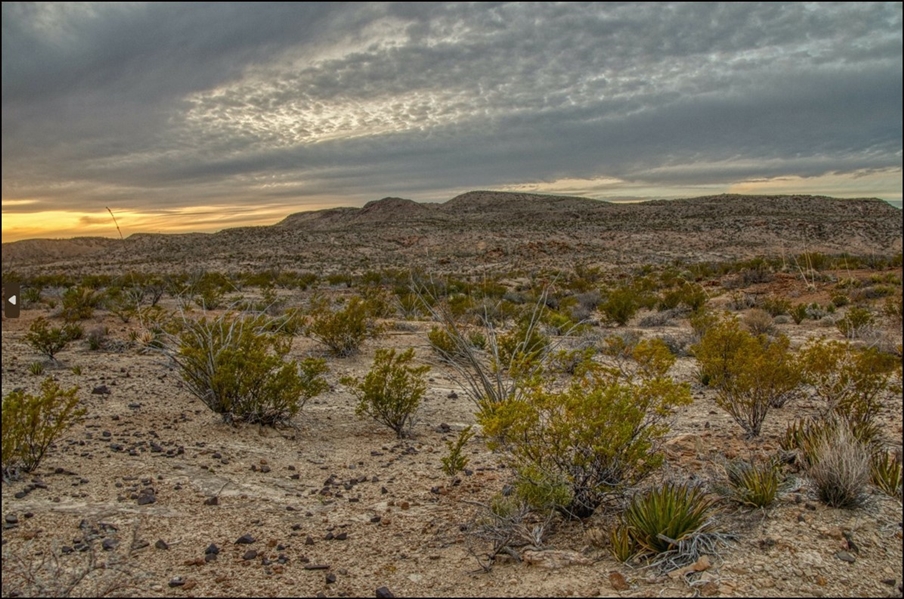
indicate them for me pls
(621, 543)
(753, 484)
(665, 515)
(885, 472)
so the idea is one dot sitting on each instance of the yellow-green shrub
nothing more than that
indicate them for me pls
(238, 369)
(49, 340)
(391, 392)
(750, 374)
(32, 422)
(852, 382)
(597, 436)
(344, 330)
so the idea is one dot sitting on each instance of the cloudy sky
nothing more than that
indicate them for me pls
(203, 116)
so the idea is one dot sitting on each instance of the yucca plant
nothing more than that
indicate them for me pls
(621, 543)
(885, 472)
(664, 516)
(753, 484)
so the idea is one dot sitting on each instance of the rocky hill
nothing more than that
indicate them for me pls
(489, 230)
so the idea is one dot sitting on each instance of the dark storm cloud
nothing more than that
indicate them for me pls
(171, 105)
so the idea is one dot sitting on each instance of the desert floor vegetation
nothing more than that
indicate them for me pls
(711, 428)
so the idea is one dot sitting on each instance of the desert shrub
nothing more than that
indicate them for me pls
(524, 343)
(664, 516)
(799, 313)
(455, 462)
(96, 338)
(885, 472)
(597, 436)
(49, 340)
(620, 305)
(701, 321)
(759, 322)
(79, 303)
(839, 300)
(840, 469)
(750, 374)
(856, 322)
(31, 423)
(238, 369)
(738, 300)
(805, 436)
(753, 484)
(391, 392)
(36, 368)
(687, 296)
(852, 382)
(775, 305)
(344, 330)
(893, 309)
(124, 301)
(444, 345)
(31, 296)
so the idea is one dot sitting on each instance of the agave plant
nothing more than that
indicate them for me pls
(664, 516)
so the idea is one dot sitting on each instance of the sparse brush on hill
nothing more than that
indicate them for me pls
(840, 468)
(238, 369)
(754, 484)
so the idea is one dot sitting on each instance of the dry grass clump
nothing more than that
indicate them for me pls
(840, 469)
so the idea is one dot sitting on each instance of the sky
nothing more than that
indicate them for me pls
(197, 117)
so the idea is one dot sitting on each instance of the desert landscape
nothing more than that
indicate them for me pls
(153, 491)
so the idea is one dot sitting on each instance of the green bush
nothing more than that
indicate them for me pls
(79, 303)
(750, 374)
(597, 436)
(885, 472)
(455, 462)
(620, 305)
(856, 322)
(342, 331)
(753, 484)
(49, 340)
(31, 423)
(238, 369)
(852, 382)
(661, 518)
(391, 392)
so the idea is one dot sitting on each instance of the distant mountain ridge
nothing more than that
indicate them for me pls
(499, 230)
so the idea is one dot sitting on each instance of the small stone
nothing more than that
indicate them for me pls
(845, 557)
(109, 544)
(100, 390)
(375, 519)
(328, 537)
(212, 550)
(11, 519)
(176, 582)
(265, 469)
(316, 567)
(309, 540)
(189, 585)
(330, 578)
(618, 582)
(215, 500)
(889, 581)
(161, 544)
(342, 536)
(250, 554)
(146, 498)
(384, 593)
(404, 505)
(245, 540)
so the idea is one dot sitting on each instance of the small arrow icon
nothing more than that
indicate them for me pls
(11, 300)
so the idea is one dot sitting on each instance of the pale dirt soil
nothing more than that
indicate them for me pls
(417, 547)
